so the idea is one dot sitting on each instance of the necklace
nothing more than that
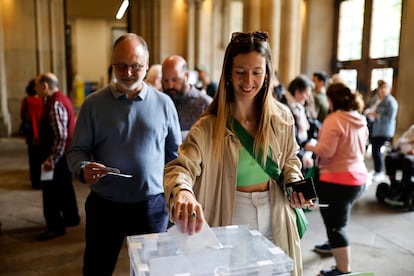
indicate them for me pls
(245, 121)
(248, 123)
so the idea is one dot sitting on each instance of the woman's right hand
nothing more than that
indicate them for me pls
(297, 200)
(188, 213)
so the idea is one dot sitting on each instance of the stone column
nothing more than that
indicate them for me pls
(50, 39)
(271, 20)
(57, 42)
(319, 22)
(405, 82)
(5, 121)
(201, 35)
(191, 30)
(265, 15)
(144, 19)
(252, 15)
(290, 40)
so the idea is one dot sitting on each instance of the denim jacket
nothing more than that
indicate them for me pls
(384, 124)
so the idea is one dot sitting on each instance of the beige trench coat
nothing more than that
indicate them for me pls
(196, 169)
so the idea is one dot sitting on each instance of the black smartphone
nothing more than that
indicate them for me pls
(305, 186)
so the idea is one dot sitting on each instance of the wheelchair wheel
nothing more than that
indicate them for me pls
(382, 191)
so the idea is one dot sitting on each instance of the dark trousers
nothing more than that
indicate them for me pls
(107, 224)
(59, 198)
(377, 143)
(397, 161)
(35, 165)
(336, 216)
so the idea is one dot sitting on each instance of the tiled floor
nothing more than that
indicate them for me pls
(381, 237)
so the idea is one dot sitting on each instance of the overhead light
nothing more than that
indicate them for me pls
(122, 9)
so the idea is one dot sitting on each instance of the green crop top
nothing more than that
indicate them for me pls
(249, 172)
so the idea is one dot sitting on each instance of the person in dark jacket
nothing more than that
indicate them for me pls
(30, 111)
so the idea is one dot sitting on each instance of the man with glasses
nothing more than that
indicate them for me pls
(124, 134)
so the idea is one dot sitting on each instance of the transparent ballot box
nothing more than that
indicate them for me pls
(243, 252)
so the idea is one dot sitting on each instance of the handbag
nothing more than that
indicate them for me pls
(302, 222)
(24, 128)
(271, 169)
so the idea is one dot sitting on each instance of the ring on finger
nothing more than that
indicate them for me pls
(193, 214)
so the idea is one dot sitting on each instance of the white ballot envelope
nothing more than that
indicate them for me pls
(195, 242)
(46, 175)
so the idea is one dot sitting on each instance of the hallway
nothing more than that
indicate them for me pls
(382, 237)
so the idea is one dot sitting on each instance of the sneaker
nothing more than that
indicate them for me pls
(332, 272)
(323, 248)
(378, 177)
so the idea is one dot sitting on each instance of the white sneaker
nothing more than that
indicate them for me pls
(378, 177)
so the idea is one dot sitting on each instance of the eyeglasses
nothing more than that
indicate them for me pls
(263, 36)
(134, 67)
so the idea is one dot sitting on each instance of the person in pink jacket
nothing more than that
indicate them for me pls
(343, 173)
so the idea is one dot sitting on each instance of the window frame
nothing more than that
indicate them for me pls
(364, 65)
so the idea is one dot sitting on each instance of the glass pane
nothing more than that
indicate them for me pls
(381, 74)
(385, 29)
(351, 20)
(349, 76)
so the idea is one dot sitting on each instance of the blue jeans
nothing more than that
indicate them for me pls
(377, 143)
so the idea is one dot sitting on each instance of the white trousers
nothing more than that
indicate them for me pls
(253, 209)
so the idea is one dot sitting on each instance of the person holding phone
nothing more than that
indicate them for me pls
(219, 177)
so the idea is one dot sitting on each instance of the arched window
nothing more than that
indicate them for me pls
(367, 42)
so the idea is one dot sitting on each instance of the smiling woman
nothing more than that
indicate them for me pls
(214, 152)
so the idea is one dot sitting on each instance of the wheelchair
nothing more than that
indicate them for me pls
(403, 197)
(401, 193)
